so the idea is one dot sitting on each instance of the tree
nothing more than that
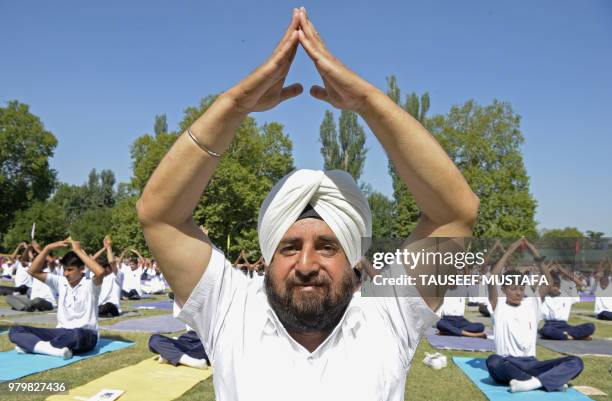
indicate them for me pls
(484, 142)
(25, 150)
(406, 211)
(161, 125)
(345, 151)
(125, 228)
(382, 213)
(91, 227)
(50, 222)
(257, 158)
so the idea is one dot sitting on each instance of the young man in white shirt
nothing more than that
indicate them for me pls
(77, 306)
(453, 321)
(131, 286)
(515, 324)
(603, 291)
(185, 350)
(556, 308)
(303, 327)
(109, 304)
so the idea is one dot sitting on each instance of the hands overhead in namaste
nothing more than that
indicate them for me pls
(264, 88)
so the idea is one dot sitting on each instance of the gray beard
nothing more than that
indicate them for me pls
(315, 316)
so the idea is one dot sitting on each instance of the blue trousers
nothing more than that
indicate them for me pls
(453, 325)
(172, 350)
(605, 315)
(554, 329)
(78, 340)
(553, 373)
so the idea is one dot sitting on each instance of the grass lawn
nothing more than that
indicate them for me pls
(423, 382)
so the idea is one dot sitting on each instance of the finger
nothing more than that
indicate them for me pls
(293, 26)
(309, 46)
(290, 91)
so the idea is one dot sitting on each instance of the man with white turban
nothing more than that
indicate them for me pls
(304, 327)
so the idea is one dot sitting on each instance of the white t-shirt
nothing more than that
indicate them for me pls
(22, 277)
(7, 269)
(111, 289)
(131, 279)
(42, 290)
(515, 328)
(454, 302)
(603, 298)
(556, 308)
(77, 307)
(366, 357)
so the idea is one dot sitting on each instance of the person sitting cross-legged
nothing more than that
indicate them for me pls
(77, 306)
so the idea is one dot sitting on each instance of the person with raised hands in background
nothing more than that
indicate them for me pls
(603, 291)
(515, 329)
(109, 303)
(77, 305)
(304, 324)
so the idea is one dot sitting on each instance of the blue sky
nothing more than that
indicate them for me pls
(98, 73)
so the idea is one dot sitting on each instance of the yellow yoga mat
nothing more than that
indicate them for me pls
(147, 380)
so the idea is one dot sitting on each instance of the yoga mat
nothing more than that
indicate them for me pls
(10, 312)
(596, 346)
(459, 343)
(166, 304)
(31, 318)
(476, 370)
(14, 365)
(147, 380)
(587, 298)
(124, 314)
(151, 324)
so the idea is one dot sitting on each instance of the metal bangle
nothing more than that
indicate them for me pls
(202, 146)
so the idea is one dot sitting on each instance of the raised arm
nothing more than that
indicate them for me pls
(36, 268)
(167, 203)
(497, 270)
(38, 250)
(16, 251)
(100, 252)
(108, 245)
(448, 206)
(94, 266)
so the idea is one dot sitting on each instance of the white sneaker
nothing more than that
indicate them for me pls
(436, 361)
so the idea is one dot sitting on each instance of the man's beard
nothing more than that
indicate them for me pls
(319, 309)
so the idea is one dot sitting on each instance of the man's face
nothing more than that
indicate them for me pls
(73, 274)
(514, 294)
(133, 264)
(309, 283)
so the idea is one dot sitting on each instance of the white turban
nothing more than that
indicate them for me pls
(333, 194)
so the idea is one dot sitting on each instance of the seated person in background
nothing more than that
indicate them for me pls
(556, 310)
(110, 294)
(23, 281)
(515, 323)
(186, 350)
(603, 292)
(131, 287)
(41, 298)
(77, 306)
(453, 322)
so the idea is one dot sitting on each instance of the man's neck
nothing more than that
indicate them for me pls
(310, 341)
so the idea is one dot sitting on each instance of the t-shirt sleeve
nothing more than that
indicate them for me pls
(210, 300)
(408, 314)
(53, 281)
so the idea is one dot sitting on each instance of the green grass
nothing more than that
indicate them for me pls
(423, 383)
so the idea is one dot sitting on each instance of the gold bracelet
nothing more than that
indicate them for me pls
(202, 146)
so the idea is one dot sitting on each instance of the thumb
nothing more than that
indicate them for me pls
(290, 91)
(319, 92)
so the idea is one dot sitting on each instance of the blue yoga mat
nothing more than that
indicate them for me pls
(14, 365)
(167, 305)
(151, 324)
(476, 370)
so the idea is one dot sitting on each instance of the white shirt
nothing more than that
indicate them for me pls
(366, 357)
(454, 302)
(77, 307)
(22, 277)
(131, 279)
(111, 289)
(42, 290)
(154, 284)
(603, 298)
(7, 269)
(556, 308)
(515, 328)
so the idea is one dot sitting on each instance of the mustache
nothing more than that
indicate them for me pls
(297, 281)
